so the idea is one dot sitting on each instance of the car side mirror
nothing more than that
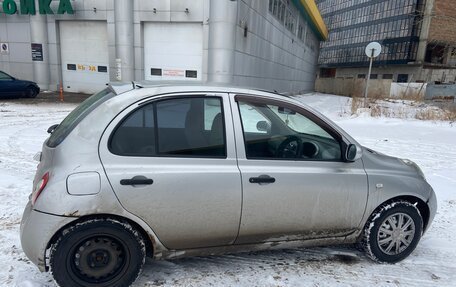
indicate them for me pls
(352, 153)
(52, 128)
(263, 126)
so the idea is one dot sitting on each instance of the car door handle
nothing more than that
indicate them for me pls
(137, 180)
(262, 179)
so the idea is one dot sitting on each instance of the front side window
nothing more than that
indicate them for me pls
(188, 127)
(284, 133)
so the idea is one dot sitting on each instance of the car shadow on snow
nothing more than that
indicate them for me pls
(211, 270)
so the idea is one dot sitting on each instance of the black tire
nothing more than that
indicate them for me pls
(381, 233)
(31, 92)
(98, 252)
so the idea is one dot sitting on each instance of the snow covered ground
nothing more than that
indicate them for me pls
(431, 144)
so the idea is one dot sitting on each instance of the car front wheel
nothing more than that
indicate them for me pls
(393, 232)
(98, 252)
(31, 92)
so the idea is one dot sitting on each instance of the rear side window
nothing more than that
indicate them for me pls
(77, 115)
(185, 127)
(136, 134)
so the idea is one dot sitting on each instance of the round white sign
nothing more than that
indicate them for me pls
(373, 50)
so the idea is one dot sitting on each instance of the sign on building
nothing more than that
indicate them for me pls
(4, 48)
(37, 52)
(28, 7)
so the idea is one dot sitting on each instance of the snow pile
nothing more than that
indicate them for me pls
(431, 144)
(389, 108)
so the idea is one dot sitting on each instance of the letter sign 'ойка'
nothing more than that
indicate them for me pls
(27, 7)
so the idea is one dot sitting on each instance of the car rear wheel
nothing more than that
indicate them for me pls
(98, 252)
(393, 232)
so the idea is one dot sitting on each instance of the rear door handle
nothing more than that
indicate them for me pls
(262, 179)
(137, 180)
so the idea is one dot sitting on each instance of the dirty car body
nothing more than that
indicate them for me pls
(180, 170)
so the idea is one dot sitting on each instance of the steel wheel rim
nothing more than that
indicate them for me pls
(98, 259)
(396, 233)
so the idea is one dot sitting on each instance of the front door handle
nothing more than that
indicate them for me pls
(262, 179)
(137, 180)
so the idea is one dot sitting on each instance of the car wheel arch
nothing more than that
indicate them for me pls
(150, 239)
(420, 204)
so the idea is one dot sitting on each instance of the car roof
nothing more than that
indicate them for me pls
(182, 86)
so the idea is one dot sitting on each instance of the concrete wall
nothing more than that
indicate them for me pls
(270, 56)
(416, 73)
(408, 90)
(353, 87)
(440, 75)
(443, 92)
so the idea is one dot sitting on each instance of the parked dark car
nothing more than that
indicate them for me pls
(10, 87)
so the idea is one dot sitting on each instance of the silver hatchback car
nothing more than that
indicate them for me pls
(167, 171)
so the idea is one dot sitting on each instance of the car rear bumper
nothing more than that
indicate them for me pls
(37, 229)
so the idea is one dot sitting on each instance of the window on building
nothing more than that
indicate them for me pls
(374, 76)
(327, 73)
(352, 24)
(402, 78)
(300, 31)
(289, 16)
(361, 76)
(387, 76)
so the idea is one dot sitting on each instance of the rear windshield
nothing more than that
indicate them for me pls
(77, 115)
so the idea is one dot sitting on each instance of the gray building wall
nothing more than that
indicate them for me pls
(15, 30)
(441, 92)
(415, 73)
(269, 57)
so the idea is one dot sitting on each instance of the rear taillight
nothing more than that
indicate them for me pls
(39, 187)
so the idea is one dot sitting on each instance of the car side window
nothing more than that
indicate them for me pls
(136, 134)
(4, 77)
(187, 127)
(255, 123)
(289, 134)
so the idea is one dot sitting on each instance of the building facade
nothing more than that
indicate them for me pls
(84, 44)
(417, 38)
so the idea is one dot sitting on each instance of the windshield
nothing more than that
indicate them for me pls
(77, 115)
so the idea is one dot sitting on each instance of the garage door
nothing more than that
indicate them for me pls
(173, 51)
(85, 58)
